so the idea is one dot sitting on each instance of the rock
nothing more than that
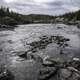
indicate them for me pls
(78, 25)
(76, 64)
(1, 49)
(24, 55)
(73, 69)
(54, 69)
(59, 27)
(75, 76)
(46, 73)
(48, 62)
(61, 52)
(10, 41)
(66, 39)
(76, 59)
(34, 50)
(44, 37)
(36, 58)
(65, 73)
(5, 74)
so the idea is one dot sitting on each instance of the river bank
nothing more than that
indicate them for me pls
(7, 27)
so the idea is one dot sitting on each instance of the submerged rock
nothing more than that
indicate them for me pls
(10, 41)
(1, 49)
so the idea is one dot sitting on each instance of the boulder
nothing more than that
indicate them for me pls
(75, 76)
(73, 69)
(47, 61)
(5, 74)
(65, 73)
(46, 73)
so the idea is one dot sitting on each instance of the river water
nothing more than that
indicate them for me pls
(13, 43)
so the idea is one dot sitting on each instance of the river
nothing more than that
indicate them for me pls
(14, 43)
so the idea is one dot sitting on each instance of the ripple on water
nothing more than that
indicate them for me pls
(27, 34)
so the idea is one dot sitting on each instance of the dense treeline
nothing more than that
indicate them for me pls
(72, 16)
(8, 17)
(11, 18)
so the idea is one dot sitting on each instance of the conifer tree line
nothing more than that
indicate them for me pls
(8, 17)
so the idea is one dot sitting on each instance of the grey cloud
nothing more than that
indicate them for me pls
(55, 3)
(52, 8)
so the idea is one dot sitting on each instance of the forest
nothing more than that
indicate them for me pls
(11, 18)
(8, 17)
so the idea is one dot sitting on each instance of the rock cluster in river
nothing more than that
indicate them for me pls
(51, 70)
(60, 70)
(44, 42)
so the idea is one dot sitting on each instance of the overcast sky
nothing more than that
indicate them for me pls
(51, 7)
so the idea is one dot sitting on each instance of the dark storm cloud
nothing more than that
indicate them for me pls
(51, 7)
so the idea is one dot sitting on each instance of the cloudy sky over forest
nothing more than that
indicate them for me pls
(50, 7)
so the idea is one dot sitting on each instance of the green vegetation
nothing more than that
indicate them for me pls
(72, 15)
(11, 18)
(71, 18)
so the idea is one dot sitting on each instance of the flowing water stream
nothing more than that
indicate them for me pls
(15, 43)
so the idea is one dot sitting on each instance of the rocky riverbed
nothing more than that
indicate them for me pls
(41, 52)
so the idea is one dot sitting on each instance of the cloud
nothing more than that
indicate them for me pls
(51, 7)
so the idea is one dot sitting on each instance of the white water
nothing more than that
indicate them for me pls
(13, 43)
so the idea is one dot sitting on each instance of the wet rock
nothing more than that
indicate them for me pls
(66, 44)
(36, 58)
(49, 62)
(76, 59)
(46, 40)
(42, 47)
(5, 74)
(73, 69)
(46, 73)
(10, 41)
(1, 50)
(59, 27)
(24, 55)
(61, 52)
(78, 25)
(76, 64)
(34, 50)
(53, 69)
(65, 73)
(66, 39)
(75, 76)
(43, 37)
(69, 73)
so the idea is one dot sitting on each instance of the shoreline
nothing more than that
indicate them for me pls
(7, 27)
